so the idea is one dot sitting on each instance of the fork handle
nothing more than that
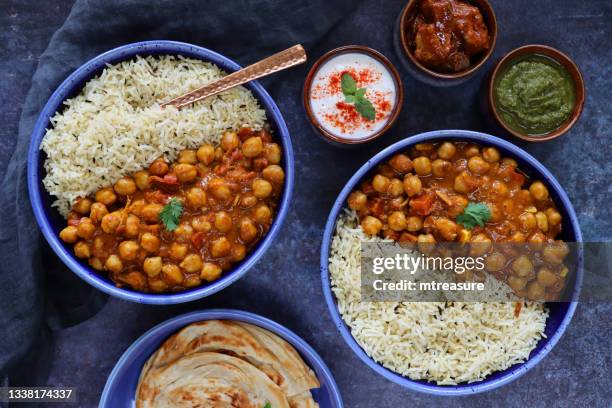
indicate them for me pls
(274, 63)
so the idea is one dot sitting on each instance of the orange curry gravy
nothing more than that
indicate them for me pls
(415, 198)
(228, 195)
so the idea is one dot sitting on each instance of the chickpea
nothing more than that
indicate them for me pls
(446, 228)
(113, 263)
(219, 189)
(125, 186)
(422, 166)
(86, 228)
(128, 250)
(522, 266)
(150, 212)
(177, 251)
(535, 291)
(110, 222)
(490, 154)
(272, 153)
(509, 162)
(536, 240)
(500, 188)
(555, 253)
(397, 221)
(261, 188)
(98, 244)
(192, 281)
(480, 244)
(237, 253)
(201, 224)
(82, 206)
(159, 167)
(98, 210)
(69, 234)
(426, 243)
(210, 271)
(247, 230)
(157, 285)
(465, 235)
(518, 238)
(517, 284)
(396, 188)
(136, 207)
(414, 223)
(141, 178)
(192, 263)
(541, 221)
(440, 167)
(446, 150)
(262, 214)
(527, 221)
(223, 221)
(187, 156)
(248, 200)
(274, 173)
(380, 183)
(472, 151)
(478, 166)
(219, 153)
(401, 163)
(185, 173)
(172, 274)
(229, 141)
(554, 218)
(464, 183)
(252, 147)
(152, 266)
(546, 277)
(150, 242)
(206, 154)
(82, 249)
(196, 197)
(412, 185)
(183, 232)
(357, 200)
(106, 196)
(495, 262)
(371, 225)
(538, 191)
(132, 226)
(220, 247)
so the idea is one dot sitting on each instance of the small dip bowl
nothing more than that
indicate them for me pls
(337, 121)
(551, 53)
(401, 39)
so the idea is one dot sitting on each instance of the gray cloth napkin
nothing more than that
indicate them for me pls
(38, 292)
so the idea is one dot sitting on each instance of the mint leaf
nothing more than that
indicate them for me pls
(360, 93)
(349, 99)
(171, 214)
(349, 86)
(474, 214)
(365, 108)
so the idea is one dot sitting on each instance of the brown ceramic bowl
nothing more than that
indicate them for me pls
(428, 75)
(399, 94)
(571, 68)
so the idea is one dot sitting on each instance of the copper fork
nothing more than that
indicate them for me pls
(277, 62)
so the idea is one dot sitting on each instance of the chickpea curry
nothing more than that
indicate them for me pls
(434, 192)
(174, 226)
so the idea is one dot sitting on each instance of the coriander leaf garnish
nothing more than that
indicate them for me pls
(355, 95)
(268, 405)
(474, 214)
(171, 214)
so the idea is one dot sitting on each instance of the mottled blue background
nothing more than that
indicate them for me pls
(285, 284)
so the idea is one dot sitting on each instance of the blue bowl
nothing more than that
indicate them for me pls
(50, 221)
(120, 387)
(560, 313)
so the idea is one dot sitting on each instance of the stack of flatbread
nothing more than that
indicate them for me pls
(223, 363)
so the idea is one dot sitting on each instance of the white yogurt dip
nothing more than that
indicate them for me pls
(327, 101)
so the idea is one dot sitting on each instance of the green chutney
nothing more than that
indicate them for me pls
(534, 95)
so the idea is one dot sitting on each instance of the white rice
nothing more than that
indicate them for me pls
(443, 342)
(115, 126)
